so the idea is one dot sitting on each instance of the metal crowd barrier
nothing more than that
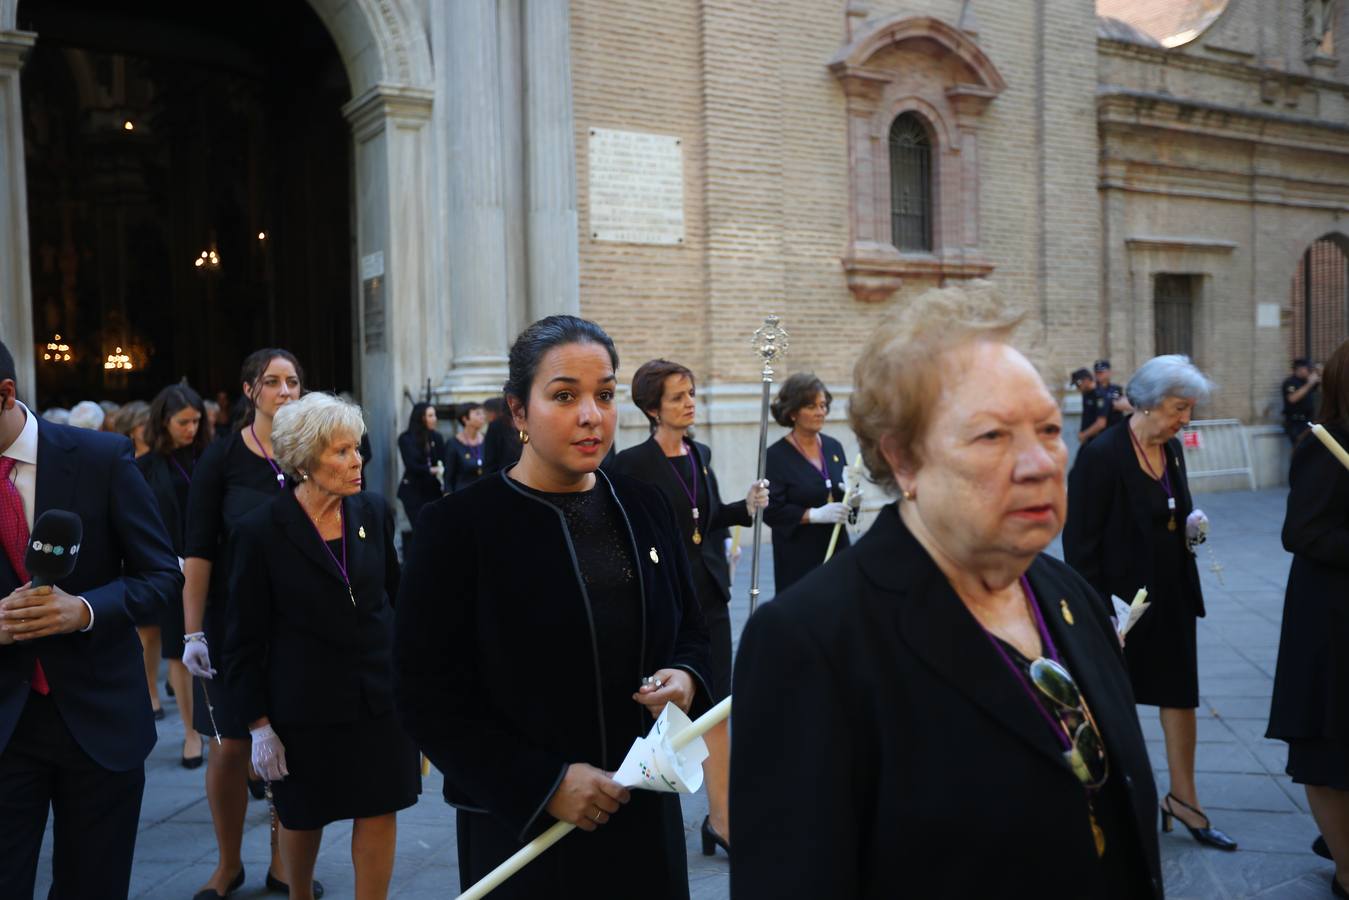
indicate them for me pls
(1216, 448)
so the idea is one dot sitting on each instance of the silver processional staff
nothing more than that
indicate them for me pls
(770, 345)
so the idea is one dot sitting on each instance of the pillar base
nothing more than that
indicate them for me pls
(473, 378)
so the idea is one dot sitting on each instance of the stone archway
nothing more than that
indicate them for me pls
(386, 52)
(1318, 298)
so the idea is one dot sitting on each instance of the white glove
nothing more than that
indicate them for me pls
(1196, 527)
(269, 754)
(196, 657)
(732, 553)
(757, 498)
(829, 514)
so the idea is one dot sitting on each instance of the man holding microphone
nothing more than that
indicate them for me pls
(75, 720)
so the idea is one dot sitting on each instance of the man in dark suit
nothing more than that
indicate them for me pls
(75, 719)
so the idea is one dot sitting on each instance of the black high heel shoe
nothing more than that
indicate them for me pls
(712, 840)
(1206, 835)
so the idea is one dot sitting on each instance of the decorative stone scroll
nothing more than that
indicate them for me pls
(636, 187)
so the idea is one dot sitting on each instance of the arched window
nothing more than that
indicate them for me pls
(910, 184)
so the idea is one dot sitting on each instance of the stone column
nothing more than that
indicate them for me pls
(550, 160)
(513, 159)
(16, 290)
(466, 47)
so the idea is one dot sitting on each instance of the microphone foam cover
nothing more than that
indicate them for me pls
(53, 546)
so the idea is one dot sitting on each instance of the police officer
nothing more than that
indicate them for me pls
(1113, 403)
(1093, 420)
(1299, 398)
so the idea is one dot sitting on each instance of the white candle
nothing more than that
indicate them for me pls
(1332, 445)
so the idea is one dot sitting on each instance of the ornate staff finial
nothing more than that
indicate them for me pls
(770, 343)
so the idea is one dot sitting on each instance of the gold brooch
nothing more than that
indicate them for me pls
(835, 459)
(360, 532)
(655, 557)
(1067, 613)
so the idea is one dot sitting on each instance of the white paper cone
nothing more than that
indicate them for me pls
(653, 765)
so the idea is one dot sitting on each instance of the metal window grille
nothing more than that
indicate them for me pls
(910, 184)
(1319, 298)
(1173, 313)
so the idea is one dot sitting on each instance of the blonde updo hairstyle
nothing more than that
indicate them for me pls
(900, 372)
(302, 429)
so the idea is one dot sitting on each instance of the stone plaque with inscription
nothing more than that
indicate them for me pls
(636, 187)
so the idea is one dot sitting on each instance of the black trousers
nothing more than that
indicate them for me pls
(96, 812)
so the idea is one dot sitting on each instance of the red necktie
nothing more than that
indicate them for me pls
(14, 537)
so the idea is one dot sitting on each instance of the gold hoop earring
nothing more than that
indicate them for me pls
(524, 436)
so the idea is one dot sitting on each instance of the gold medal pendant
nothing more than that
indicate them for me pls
(1098, 834)
(1171, 524)
(697, 538)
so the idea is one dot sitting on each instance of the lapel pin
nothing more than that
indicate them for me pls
(1067, 613)
(360, 532)
(836, 458)
(655, 557)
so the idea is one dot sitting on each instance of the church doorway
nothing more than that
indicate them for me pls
(189, 181)
(1319, 298)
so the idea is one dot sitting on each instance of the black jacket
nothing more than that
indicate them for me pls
(500, 444)
(647, 462)
(128, 573)
(298, 650)
(1311, 680)
(492, 602)
(419, 485)
(794, 486)
(161, 476)
(881, 749)
(1108, 535)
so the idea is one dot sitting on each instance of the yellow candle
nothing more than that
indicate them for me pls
(1332, 445)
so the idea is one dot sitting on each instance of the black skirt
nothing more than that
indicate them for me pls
(1319, 763)
(228, 718)
(348, 770)
(171, 630)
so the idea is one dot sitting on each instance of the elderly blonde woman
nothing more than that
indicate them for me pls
(943, 691)
(309, 646)
(1132, 525)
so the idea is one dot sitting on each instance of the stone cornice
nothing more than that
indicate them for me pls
(1187, 244)
(1173, 59)
(14, 46)
(1117, 105)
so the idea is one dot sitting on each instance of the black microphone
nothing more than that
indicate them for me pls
(53, 546)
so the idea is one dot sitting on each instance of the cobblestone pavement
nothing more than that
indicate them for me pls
(1241, 779)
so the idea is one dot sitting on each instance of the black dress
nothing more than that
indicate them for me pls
(1117, 538)
(675, 476)
(526, 622)
(419, 485)
(794, 486)
(316, 658)
(228, 482)
(1310, 705)
(169, 479)
(464, 464)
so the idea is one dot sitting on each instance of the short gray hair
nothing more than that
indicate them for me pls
(1172, 375)
(86, 414)
(302, 429)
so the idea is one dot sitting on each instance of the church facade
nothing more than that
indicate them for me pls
(1141, 177)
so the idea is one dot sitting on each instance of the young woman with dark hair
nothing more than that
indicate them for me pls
(176, 439)
(464, 456)
(423, 452)
(805, 472)
(234, 475)
(682, 469)
(525, 692)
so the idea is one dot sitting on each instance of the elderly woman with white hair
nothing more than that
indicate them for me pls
(943, 690)
(1132, 524)
(310, 644)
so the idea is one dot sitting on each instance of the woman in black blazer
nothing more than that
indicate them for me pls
(942, 711)
(805, 474)
(464, 454)
(310, 644)
(176, 441)
(526, 690)
(682, 469)
(1310, 706)
(1132, 524)
(423, 452)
